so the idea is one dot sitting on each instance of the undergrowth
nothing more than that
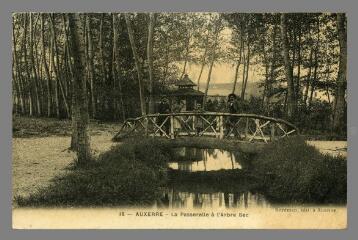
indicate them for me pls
(130, 174)
(292, 171)
(135, 172)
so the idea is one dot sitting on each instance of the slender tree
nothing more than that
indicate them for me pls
(91, 65)
(246, 72)
(342, 74)
(48, 76)
(54, 64)
(217, 30)
(137, 63)
(34, 77)
(79, 90)
(239, 60)
(150, 60)
(117, 68)
(203, 58)
(16, 73)
(291, 106)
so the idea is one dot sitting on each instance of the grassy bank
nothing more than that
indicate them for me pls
(130, 174)
(294, 172)
(25, 127)
(135, 172)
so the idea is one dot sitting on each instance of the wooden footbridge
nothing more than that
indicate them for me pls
(245, 127)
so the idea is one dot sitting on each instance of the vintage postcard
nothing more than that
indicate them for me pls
(197, 120)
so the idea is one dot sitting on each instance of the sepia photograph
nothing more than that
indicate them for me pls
(179, 120)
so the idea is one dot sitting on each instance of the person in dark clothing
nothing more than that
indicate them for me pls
(232, 103)
(163, 108)
(232, 107)
(199, 124)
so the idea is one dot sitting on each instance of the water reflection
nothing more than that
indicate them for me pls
(177, 199)
(204, 190)
(196, 159)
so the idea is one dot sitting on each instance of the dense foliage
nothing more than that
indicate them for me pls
(251, 43)
(293, 171)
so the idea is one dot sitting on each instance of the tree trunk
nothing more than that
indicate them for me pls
(80, 91)
(273, 65)
(101, 60)
(17, 72)
(150, 60)
(15, 86)
(238, 63)
(291, 106)
(293, 39)
(91, 65)
(110, 72)
(117, 62)
(243, 90)
(48, 76)
(54, 65)
(208, 81)
(267, 68)
(101, 48)
(203, 59)
(34, 77)
(308, 78)
(67, 61)
(59, 84)
(327, 76)
(243, 71)
(167, 48)
(137, 63)
(338, 121)
(236, 74)
(187, 49)
(212, 61)
(314, 80)
(28, 75)
(299, 59)
(327, 81)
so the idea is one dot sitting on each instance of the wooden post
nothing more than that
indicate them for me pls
(273, 132)
(146, 123)
(221, 126)
(246, 127)
(217, 127)
(194, 125)
(172, 127)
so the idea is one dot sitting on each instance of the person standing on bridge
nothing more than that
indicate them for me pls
(232, 103)
(199, 125)
(233, 108)
(177, 107)
(163, 108)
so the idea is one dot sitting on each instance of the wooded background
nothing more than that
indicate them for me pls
(128, 59)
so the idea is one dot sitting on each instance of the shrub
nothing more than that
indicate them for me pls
(292, 171)
(129, 174)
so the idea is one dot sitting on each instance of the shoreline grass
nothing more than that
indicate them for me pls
(135, 172)
(119, 177)
(292, 171)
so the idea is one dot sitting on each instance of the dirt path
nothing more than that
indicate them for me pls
(331, 147)
(37, 160)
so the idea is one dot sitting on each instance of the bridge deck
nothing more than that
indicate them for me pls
(247, 127)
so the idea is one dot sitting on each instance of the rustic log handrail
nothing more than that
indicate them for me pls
(218, 124)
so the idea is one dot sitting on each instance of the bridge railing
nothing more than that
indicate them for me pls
(248, 127)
